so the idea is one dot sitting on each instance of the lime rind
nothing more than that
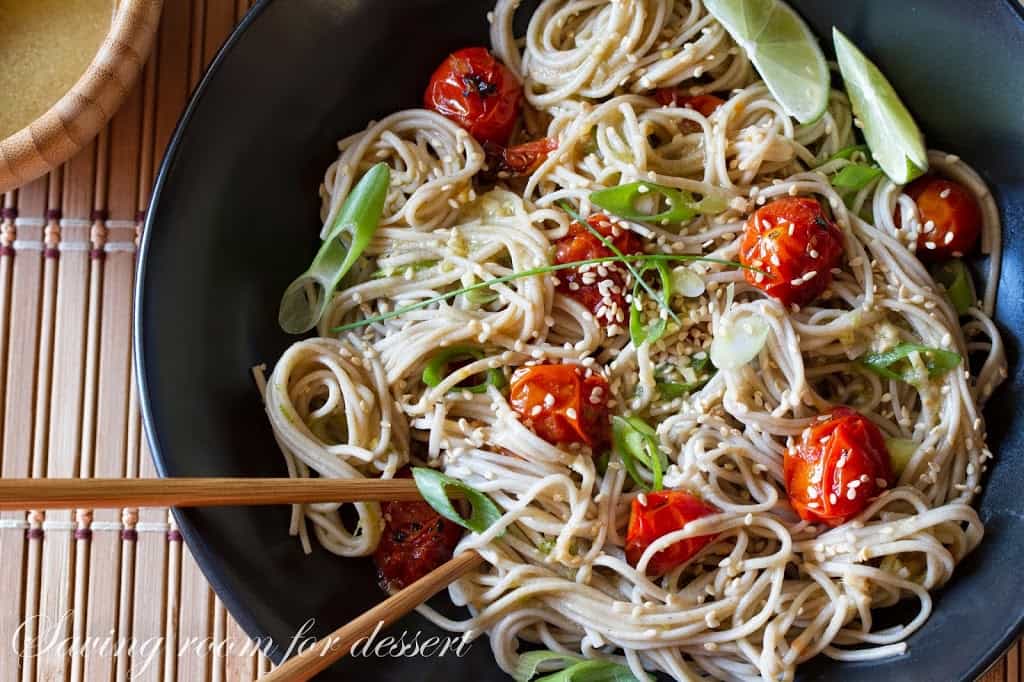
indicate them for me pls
(895, 141)
(784, 51)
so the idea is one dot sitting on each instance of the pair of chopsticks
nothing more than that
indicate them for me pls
(57, 493)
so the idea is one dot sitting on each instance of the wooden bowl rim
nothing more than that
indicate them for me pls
(81, 112)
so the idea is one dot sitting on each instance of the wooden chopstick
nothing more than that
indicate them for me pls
(77, 493)
(321, 655)
(98, 493)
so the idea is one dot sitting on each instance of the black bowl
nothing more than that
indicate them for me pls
(234, 218)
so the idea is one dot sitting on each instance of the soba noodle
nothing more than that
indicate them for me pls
(771, 591)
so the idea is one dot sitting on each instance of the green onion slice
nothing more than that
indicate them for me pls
(856, 176)
(893, 363)
(432, 485)
(638, 331)
(392, 271)
(848, 152)
(526, 667)
(738, 341)
(900, 452)
(956, 278)
(681, 205)
(687, 283)
(670, 390)
(481, 297)
(576, 670)
(307, 297)
(636, 441)
(592, 147)
(437, 369)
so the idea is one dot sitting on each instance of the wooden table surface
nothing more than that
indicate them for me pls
(69, 408)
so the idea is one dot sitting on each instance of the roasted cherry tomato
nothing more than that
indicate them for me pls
(562, 403)
(523, 159)
(796, 245)
(705, 105)
(415, 541)
(587, 283)
(478, 92)
(950, 217)
(656, 514)
(837, 467)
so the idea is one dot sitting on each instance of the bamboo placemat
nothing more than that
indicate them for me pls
(69, 408)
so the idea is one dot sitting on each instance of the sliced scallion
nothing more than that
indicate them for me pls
(688, 283)
(576, 669)
(526, 666)
(894, 363)
(415, 267)
(432, 485)
(900, 452)
(636, 442)
(848, 152)
(738, 341)
(481, 297)
(639, 332)
(669, 389)
(856, 176)
(307, 297)
(680, 204)
(956, 278)
(436, 369)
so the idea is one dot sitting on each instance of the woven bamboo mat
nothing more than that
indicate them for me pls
(110, 582)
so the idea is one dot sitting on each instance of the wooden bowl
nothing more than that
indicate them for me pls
(78, 116)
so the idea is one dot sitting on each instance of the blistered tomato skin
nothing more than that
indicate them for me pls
(562, 403)
(705, 105)
(659, 513)
(794, 245)
(478, 92)
(950, 218)
(523, 159)
(600, 289)
(415, 541)
(837, 467)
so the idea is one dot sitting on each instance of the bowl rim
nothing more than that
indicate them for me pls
(201, 551)
(77, 117)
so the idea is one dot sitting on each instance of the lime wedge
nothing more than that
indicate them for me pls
(890, 131)
(782, 48)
